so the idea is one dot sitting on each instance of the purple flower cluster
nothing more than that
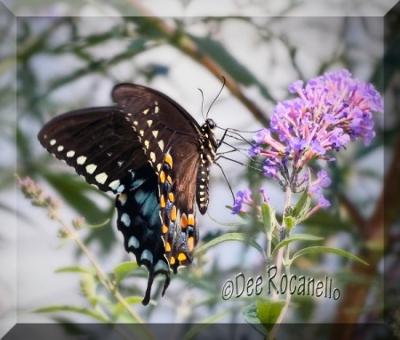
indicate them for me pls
(244, 201)
(327, 113)
(315, 188)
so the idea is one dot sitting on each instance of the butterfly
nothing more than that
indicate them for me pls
(154, 156)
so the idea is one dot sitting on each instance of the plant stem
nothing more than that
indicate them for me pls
(284, 310)
(269, 250)
(283, 258)
(101, 275)
(288, 198)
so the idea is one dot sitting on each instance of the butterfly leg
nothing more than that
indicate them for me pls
(222, 138)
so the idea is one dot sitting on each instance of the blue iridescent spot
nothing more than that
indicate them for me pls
(126, 220)
(133, 242)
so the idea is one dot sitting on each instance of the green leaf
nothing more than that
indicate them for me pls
(250, 315)
(323, 249)
(228, 237)
(332, 223)
(137, 46)
(302, 205)
(230, 64)
(78, 194)
(119, 310)
(124, 269)
(295, 237)
(289, 222)
(99, 225)
(75, 192)
(88, 288)
(95, 314)
(203, 324)
(268, 311)
(236, 225)
(75, 269)
(268, 214)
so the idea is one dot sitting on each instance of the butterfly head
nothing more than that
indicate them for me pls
(210, 124)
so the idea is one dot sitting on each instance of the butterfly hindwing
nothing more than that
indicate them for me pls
(170, 138)
(139, 221)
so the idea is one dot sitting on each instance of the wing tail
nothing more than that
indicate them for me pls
(139, 221)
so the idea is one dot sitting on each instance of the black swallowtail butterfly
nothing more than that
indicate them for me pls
(155, 157)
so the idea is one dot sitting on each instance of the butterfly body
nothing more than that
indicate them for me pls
(155, 157)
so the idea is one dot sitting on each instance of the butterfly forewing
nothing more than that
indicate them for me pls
(97, 142)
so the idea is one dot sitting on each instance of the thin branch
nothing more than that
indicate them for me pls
(353, 212)
(189, 47)
(101, 275)
(40, 198)
(385, 213)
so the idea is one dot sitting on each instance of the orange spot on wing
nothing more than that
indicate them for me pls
(172, 261)
(191, 219)
(168, 159)
(169, 179)
(167, 247)
(190, 243)
(162, 201)
(164, 229)
(171, 197)
(162, 177)
(182, 257)
(173, 214)
(184, 221)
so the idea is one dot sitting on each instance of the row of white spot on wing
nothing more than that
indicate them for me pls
(154, 132)
(114, 184)
(91, 168)
(70, 154)
(147, 255)
(81, 160)
(100, 178)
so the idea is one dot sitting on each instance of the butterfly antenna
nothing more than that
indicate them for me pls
(216, 97)
(202, 103)
(226, 180)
